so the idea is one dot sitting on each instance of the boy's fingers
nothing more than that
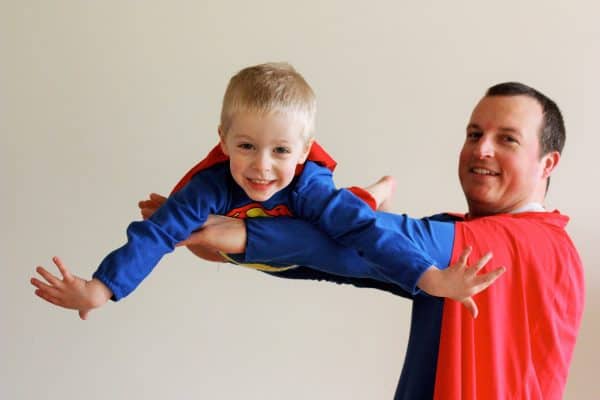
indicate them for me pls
(83, 314)
(464, 256)
(39, 284)
(45, 296)
(46, 289)
(470, 305)
(482, 261)
(482, 282)
(50, 278)
(62, 268)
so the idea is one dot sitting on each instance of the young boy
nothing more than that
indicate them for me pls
(261, 165)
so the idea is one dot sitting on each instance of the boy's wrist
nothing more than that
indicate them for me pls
(430, 281)
(100, 293)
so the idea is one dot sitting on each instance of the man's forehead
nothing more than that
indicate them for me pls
(507, 113)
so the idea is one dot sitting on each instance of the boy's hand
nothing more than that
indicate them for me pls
(459, 281)
(71, 291)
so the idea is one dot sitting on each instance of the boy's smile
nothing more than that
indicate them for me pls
(264, 150)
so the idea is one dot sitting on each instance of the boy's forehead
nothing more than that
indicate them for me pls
(283, 126)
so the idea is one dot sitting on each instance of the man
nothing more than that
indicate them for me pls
(521, 345)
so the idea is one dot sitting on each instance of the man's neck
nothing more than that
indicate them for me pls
(529, 207)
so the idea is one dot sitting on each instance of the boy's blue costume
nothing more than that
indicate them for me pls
(312, 196)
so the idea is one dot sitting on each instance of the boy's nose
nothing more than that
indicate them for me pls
(262, 162)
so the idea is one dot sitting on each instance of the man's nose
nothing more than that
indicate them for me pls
(484, 148)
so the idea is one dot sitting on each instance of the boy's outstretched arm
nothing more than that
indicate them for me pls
(71, 291)
(200, 245)
(460, 281)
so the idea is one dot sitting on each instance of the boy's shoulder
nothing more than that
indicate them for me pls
(311, 173)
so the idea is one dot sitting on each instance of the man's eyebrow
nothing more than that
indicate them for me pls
(508, 129)
(503, 129)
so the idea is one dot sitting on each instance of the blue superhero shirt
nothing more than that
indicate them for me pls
(311, 196)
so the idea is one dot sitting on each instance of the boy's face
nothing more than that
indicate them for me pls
(264, 150)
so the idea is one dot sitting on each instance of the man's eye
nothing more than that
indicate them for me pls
(282, 150)
(473, 135)
(245, 146)
(510, 139)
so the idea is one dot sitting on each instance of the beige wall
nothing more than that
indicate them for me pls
(102, 102)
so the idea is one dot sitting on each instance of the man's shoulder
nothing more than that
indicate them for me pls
(549, 218)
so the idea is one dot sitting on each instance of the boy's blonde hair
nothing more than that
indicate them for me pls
(267, 88)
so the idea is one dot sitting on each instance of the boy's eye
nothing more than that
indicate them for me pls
(282, 150)
(245, 146)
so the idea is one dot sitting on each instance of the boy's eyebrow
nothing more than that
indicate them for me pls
(242, 136)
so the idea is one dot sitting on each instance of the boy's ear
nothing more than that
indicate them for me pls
(222, 141)
(304, 156)
(550, 161)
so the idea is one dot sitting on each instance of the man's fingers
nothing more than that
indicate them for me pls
(62, 268)
(157, 198)
(147, 212)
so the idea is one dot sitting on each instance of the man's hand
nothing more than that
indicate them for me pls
(224, 234)
(460, 281)
(218, 234)
(150, 205)
(71, 291)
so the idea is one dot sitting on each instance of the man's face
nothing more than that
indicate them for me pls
(500, 168)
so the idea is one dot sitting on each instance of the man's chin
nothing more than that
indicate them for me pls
(481, 206)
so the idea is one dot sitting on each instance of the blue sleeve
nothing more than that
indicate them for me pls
(287, 241)
(148, 241)
(352, 223)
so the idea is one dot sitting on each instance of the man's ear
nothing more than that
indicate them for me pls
(222, 140)
(304, 156)
(549, 162)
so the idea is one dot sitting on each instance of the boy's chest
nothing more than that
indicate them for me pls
(241, 206)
